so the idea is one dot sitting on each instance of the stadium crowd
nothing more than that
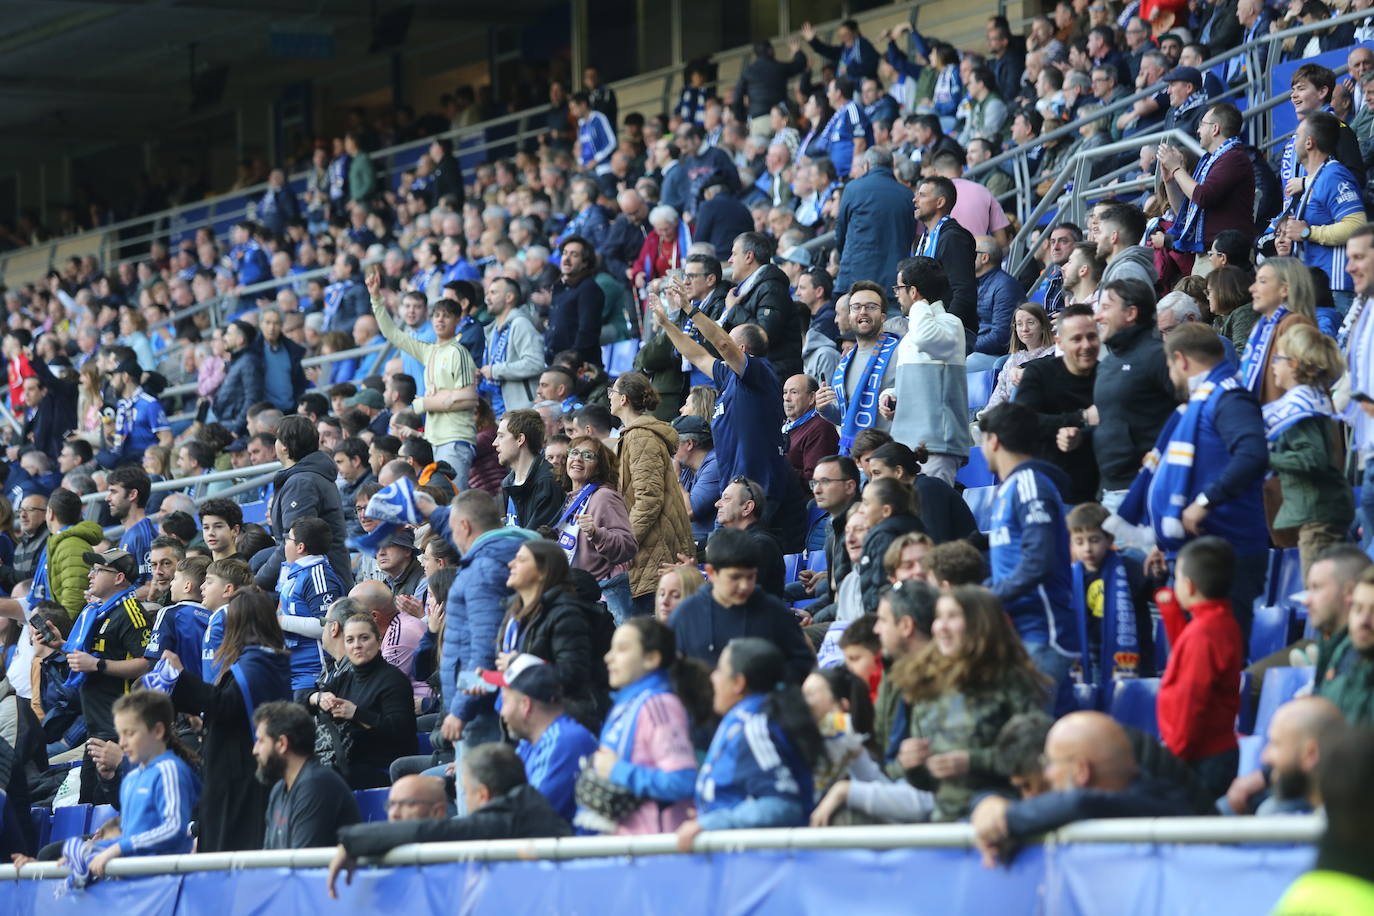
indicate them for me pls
(789, 567)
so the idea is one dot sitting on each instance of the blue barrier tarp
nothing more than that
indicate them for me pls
(1120, 879)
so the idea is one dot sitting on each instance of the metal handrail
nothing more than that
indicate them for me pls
(309, 361)
(181, 483)
(1267, 830)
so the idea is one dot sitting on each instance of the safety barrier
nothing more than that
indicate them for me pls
(1184, 865)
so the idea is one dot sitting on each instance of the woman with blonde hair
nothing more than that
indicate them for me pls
(701, 402)
(89, 399)
(1283, 296)
(1305, 444)
(676, 583)
(649, 485)
(963, 687)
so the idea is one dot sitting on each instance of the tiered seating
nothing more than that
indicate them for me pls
(372, 804)
(980, 385)
(979, 500)
(1280, 686)
(976, 473)
(1133, 703)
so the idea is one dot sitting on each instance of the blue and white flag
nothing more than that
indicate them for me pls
(393, 506)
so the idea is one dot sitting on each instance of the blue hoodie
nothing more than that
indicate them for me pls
(476, 604)
(156, 800)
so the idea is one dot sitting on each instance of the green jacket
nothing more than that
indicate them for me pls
(957, 721)
(1345, 678)
(67, 571)
(885, 708)
(1313, 482)
(1237, 326)
(362, 178)
(660, 361)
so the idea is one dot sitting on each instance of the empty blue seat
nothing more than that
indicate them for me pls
(605, 354)
(817, 561)
(1133, 703)
(372, 804)
(980, 389)
(1245, 719)
(791, 564)
(1161, 646)
(1269, 632)
(979, 501)
(255, 513)
(69, 821)
(99, 815)
(422, 744)
(976, 473)
(622, 357)
(42, 825)
(1280, 686)
(1285, 576)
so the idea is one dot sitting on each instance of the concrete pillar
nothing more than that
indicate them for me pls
(580, 56)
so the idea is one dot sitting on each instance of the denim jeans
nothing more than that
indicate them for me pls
(459, 456)
(981, 362)
(616, 593)
(1366, 512)
(1055, 666)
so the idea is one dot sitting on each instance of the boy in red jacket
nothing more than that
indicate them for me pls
(1199, 696)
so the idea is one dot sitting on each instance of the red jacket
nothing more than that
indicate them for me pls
(1199, 696)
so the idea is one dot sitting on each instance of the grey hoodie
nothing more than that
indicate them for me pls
(819, 355)
(1134, 263)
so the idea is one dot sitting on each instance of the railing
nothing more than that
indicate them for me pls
(182, 483)
(224, 210)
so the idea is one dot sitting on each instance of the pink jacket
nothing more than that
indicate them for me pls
(663, 741)
(605, 551)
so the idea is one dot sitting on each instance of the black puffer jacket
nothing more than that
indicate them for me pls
(1134, 397)
(307, 489)
(879, 538)
(769, 305)
(562, 633)
(382, 728)
(520, 814)
(539, 500)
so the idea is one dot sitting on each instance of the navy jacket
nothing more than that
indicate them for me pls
(702, 167)
(1145, 797)
(703, 628)
(575, 320)
(998, 297)
(874, 229)
(55, 414)
(676, 189)
(296, 353)
(622, 245)
(241, 389)
(719, 221)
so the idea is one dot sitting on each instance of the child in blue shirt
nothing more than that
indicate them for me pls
(160, 789)
(180, 626)
(223, 580)
(307, 586)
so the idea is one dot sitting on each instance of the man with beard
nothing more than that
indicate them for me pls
(309, 801)
(1347, 672)
(127, 496)
(1298, 733)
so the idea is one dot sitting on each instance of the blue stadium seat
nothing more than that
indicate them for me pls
(255, 513)
(817, 561)
(1086, 696)
(979, 500)
(1269, 632)
(1251, 746)
(980, 389)
(791, 564)
(1280, 686)
(1245, 719)
(42, 825)
(622, 357)
(372, 804)
(1161, 646)
(99, 815)
(1285, 576)
(976, 473)
(605, 354)
(69, 821)
(422, 743)
(1133, 703)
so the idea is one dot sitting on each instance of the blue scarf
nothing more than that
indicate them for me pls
(618, 733)
(1256, 358)
(1296, 405)
(491, 387)
(861, 413)
(90, 615)
(333, 297)
(926, 247)
(263, 676)
(793, 424)
(1190, 236)
(38, 589)
(1119, 655)
(1161, 490)
(851, 57)
(567, 526)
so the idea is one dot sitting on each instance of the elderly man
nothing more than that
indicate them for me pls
(1091, 772)
(809, 437)
(999, 295)
(501, 804)
(625, 237)
(874, 210)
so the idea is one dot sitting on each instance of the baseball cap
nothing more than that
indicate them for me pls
(1184, 75)
(238, 445)
(368, 397)
(692, 426)
(120, 560)
(530, 675)
(401, 537)
(795, 255)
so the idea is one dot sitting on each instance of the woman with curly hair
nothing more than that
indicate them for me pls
(963, 687)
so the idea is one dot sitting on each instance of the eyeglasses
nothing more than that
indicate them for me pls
(867, 306)
(751, 489)
(405, 803)
(584, 454)
(818, 482)
(1281, 358)
(897, 288)
(693, 275)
